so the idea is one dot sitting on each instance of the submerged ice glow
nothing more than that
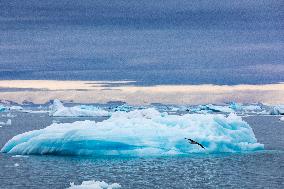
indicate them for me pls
(144, 132)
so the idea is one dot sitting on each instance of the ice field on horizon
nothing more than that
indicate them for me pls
(145, 132)
(59, 109)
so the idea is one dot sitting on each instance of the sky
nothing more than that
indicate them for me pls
(151, 42)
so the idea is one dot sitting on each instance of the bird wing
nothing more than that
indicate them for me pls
(200, 145)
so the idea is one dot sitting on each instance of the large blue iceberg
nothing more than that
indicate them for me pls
(144, 132)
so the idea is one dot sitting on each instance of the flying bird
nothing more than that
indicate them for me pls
(194, 142)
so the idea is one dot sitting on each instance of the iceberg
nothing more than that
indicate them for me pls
(57, 109)
(215, 108)
(277, 110)
(250, 108)
(8, 122)
(123, 108)
(145, 132)
(9, 115)
(16, 108)
(92, 184)
(16, 165)
(236, 106)
(231, 108)
(2, 108)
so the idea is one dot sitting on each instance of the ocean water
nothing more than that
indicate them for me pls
(264, 169)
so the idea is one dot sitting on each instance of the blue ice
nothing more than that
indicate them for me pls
(144, 132)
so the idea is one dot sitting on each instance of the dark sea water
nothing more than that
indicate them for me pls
(154, 42)
(263, 169)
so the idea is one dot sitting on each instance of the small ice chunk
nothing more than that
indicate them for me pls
(281, 118)
(16, 165)
(17, 108)
(123, 108)
(277, 110)
(9, 115)
(92, 184)
(8, 122)
(2, 108)
(19, 156)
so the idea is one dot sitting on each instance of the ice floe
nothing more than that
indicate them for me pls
(92, 184)
(229, 108)
(277, 110)
(57, 109)
(123, 108)
(8, 115)
(16, 108)
(8, 122)
(144, 132)
(16, 165)
(215, 108)
(3, 108)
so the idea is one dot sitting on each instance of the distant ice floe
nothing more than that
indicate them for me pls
(8, 115)
(57, 109)
(17, 108)
(232, 107)
(277, 110)
(94, 185)
(16, 165)
(3, 108)
(123, 108)
(144, 132)
(8, 122)
(215, 108)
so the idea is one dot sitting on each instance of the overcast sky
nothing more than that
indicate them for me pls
(152, 42)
